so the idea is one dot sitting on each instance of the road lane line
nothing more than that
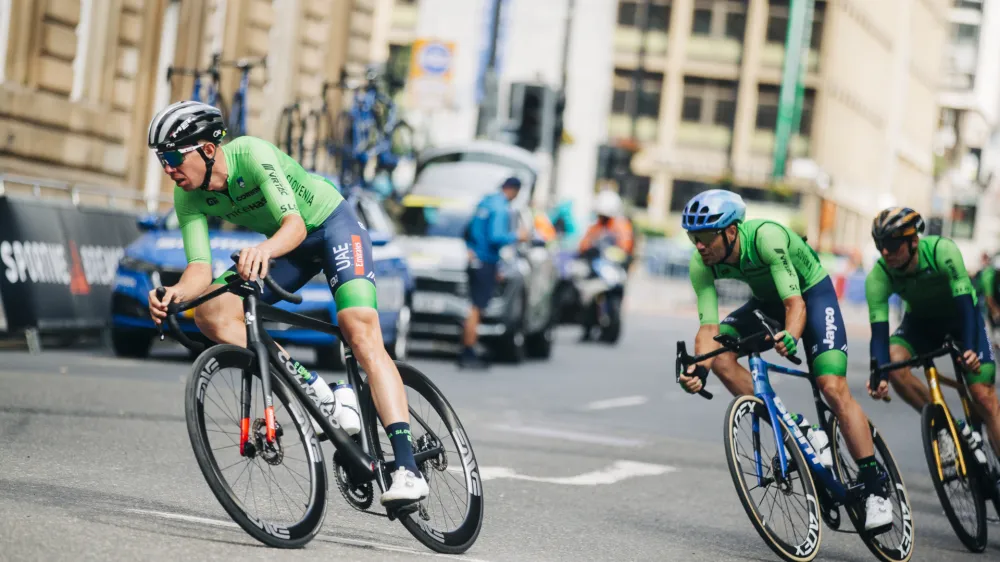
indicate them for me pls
(321, 536)
(622, 402)
(618, 471)
(565, 435)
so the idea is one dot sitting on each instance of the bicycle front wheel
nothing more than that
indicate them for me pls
(992, 486)
(276, 492)
(896, 544)
(961, 497)
(784, 509)
(450, 518)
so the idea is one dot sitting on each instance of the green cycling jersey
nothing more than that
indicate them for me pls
(774, 261)
(264, 185)
(986, 280)
(929, 291)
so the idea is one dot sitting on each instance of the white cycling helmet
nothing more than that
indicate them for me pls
(608, 204)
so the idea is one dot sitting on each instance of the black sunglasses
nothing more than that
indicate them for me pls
(890, 245)
(174, 158)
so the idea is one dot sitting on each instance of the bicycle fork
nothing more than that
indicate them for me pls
(254, 342)
(938, 399)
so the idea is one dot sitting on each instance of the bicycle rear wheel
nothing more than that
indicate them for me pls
(276, 493)
(450, 518)
(961, 498)
(896, 544)
(783, 509)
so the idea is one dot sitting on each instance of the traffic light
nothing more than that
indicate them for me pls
(557, 120)
(614, 162)
(529, 128)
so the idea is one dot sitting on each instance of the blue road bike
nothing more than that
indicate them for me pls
(206, 89)
(784, 502)
(370, 132)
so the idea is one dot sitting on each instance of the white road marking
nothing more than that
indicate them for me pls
(324, 537)
(618, 471)
(622, 402)
(565, 435)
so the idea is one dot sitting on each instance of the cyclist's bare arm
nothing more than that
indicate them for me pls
(703, 283)
(704, 342)
(288, 237)
(196, 278)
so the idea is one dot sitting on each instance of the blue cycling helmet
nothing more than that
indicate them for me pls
(714, 209)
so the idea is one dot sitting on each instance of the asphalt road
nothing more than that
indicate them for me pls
(594, 455)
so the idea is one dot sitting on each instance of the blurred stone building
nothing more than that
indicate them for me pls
(82, 78)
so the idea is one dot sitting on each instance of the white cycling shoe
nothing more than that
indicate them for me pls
(406, 488)
(878, 514)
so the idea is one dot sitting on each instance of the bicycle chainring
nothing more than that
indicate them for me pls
(360, 497)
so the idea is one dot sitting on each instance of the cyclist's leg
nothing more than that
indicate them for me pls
(982, 388)
(221, 319)
(350, 271)
(740, 322)
(825, 340)
(911, 338)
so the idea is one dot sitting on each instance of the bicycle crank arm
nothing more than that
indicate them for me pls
(427, 455)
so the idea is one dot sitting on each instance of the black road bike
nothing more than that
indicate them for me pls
(250, 419)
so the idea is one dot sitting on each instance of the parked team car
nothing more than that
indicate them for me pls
(431, 219)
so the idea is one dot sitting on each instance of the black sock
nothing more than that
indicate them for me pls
(399, 435)
(868, 475)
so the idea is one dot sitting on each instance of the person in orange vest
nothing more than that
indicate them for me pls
(543, 227)
(610, 220)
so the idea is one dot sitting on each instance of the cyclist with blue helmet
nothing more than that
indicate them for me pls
(787, 283)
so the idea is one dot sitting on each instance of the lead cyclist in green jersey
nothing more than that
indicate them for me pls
(929, 274)
(251, 183)
(788, 283)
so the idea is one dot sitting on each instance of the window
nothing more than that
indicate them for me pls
(691, 109)
(777, 23)
(719, 18)
(736, 22)
(709, 101)
(628, 14)
(767, 109)
(963, 221)
(649, 94)
(623, 85)
(640, 191)
(659, 17)
(965, 34)
(702, 22)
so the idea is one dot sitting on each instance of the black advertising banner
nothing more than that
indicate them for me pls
(57, 263)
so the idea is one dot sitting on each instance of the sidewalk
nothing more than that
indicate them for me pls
(651, 295)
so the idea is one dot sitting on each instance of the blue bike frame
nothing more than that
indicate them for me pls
(776, 409)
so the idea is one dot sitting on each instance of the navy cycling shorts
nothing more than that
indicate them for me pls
(340, 247)
(482, 282)
(824, 330)
(922, 335)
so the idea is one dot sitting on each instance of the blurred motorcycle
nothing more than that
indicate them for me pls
(598, 278)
